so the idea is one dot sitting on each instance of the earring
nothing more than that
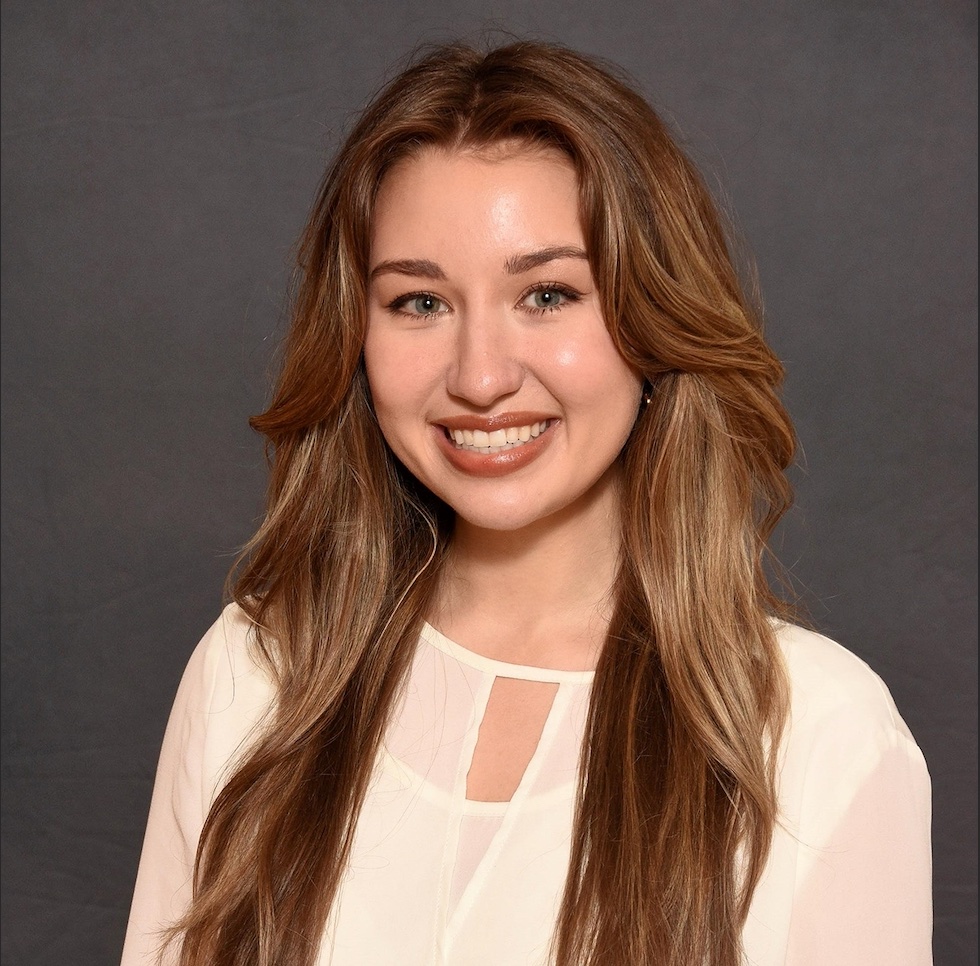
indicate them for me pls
(647, 397)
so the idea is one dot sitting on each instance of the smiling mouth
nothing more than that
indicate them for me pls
(497, 440)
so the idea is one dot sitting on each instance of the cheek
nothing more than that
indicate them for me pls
(385, 389)
(592, 371)
(393, 409)
(381, 356)
(400, 377)
(377, 367)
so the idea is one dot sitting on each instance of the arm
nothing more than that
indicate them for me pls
(863, 879)
(221, 698)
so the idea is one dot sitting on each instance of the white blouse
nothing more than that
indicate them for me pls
(437, 880)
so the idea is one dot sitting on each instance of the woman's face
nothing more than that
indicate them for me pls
(492, 373)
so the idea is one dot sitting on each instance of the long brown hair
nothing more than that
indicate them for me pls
(676, 804)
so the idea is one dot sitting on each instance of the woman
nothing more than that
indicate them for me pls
(503, 679)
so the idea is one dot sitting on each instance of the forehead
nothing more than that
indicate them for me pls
(505, 190)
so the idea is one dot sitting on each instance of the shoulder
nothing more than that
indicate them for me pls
(833, 690)
(227, 642)
(223, 680)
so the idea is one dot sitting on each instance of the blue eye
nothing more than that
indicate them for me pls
(547, 298)
(425, 304)
(418, 303)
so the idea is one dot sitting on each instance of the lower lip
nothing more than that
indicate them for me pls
(494, 464)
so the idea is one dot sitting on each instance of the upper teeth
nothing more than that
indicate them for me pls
(493, 442)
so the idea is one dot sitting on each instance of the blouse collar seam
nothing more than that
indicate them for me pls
(490, 665)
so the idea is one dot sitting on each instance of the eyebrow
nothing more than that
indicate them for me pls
(419, 267)
(524, 263)
(423, 268)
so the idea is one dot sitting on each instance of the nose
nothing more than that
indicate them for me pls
(485, 364)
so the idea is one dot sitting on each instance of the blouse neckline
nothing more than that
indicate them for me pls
(504, 669)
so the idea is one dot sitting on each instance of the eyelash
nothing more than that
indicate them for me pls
(563, 290)
(397, 306)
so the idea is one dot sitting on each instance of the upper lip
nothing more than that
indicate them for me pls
(489, 423)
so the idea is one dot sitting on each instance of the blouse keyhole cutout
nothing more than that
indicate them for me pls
(509, 734)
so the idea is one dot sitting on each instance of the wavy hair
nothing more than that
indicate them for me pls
(676, 804)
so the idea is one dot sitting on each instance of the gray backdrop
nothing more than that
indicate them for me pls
(158, 163)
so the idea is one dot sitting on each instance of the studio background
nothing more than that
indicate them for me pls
(158, 164)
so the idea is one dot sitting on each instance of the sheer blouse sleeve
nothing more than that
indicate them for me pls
(221, 698)
(863, 894)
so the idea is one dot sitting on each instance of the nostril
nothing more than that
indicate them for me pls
(482, 382)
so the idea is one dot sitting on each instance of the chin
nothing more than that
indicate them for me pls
(497, 523)
(502, 518)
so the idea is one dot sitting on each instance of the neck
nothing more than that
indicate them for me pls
(541, 595)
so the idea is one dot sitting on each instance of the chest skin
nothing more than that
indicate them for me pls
(509, 734)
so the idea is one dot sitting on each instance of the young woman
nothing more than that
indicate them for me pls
(503, 681)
